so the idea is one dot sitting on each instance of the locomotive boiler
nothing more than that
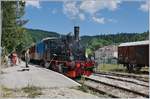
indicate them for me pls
(63, 54)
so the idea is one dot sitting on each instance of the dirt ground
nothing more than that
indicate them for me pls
(38, 83)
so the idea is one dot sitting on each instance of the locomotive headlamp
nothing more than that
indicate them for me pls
(71, 58)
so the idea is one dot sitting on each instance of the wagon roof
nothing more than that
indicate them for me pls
(49, 38)
(146, 42)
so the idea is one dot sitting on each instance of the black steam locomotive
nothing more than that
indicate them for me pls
(64, 54)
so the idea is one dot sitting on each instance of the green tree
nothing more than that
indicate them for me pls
(12, 30)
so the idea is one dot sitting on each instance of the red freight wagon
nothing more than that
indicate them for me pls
(134, 55)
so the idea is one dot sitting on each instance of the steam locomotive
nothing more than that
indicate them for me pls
(62, 54)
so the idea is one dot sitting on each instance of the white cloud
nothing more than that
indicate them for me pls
(102, 20)
(112, 4)
(77, 10)
(70, 9)
(82, 16)
(89, 6)
(34, 3)
(145, 7)
(98, 20)
(93, 6)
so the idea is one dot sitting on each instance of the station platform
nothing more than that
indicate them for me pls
(18, 77)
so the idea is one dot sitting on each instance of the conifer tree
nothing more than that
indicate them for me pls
(12, 24)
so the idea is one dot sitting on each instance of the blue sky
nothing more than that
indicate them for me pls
(93, 16)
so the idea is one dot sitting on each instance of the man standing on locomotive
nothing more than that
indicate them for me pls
(27, 58)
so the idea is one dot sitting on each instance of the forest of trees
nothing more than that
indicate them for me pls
(38, 35)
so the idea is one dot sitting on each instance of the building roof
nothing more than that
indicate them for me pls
(146, 42)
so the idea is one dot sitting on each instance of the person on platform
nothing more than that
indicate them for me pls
(27, 58)
(14, 58)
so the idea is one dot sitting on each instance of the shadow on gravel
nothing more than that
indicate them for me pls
(125, 71)
(38, 66)
(25, 69)
(118, 70)
(142, 72)
(2, 72)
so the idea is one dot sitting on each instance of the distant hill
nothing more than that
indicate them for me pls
(38, 35)
(117, 38)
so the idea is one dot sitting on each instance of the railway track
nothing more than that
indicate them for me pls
(125, 79)
(134, 76)
(116, 87)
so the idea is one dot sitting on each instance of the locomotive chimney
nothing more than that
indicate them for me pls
(76, 33)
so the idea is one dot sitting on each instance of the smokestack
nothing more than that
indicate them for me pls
(76, 33)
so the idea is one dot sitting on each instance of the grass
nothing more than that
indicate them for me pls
(32, 91)
(6, 92)
(29, 91)
(118, 68)
(82, 87)
(145, 70)
(1, 72)
(111, 67)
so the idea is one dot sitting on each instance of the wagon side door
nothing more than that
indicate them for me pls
(132, 55)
